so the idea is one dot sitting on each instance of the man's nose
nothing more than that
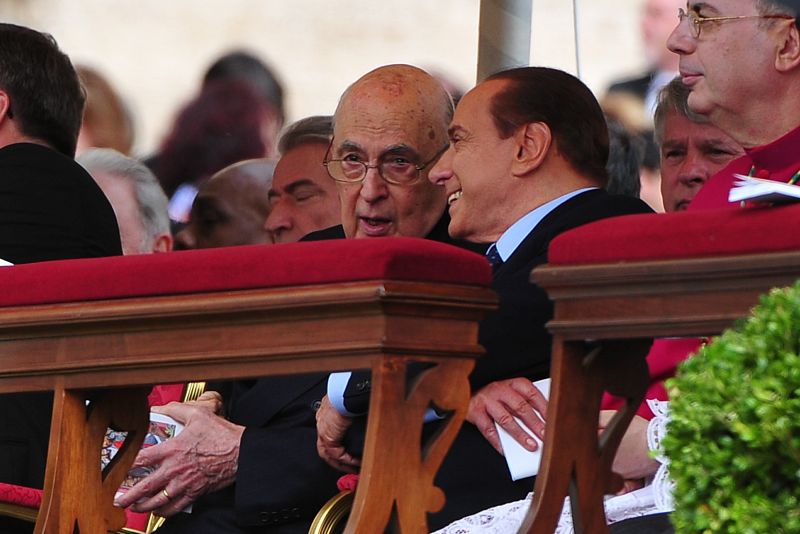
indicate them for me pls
(694, 170)
(680, 41)
(373, 187)
(442, 169)
(277, 220)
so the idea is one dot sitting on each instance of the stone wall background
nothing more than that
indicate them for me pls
(155, 51)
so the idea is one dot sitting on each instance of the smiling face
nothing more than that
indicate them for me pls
(690, 154)
(395, 112)
(730, 66)
(303, 197)
(475, 172)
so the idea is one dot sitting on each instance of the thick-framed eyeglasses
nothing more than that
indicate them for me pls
(696, 21)
(393, 169)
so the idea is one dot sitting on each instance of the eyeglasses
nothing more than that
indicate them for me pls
(696, 21)
(396, 170)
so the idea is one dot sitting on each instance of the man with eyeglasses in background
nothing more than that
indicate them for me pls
(741, 61)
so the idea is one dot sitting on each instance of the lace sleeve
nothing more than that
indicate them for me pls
(656, 430)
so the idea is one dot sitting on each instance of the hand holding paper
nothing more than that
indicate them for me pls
(523, 463)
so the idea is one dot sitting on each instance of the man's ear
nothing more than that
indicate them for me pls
(533, 144)
(5, 105)
(788, 56)
(163, 243)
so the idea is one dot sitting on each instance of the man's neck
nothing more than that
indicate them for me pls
(762, 123)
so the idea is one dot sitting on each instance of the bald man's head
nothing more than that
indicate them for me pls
(230, 209)
(396, 117)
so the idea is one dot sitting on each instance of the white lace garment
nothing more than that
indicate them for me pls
(656, 497)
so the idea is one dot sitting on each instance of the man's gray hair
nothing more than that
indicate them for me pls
(315, 129)
(779, 7)
(150, 197)
(673, 97)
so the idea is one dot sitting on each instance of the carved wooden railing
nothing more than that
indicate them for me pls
(713, 267)
(410, 301)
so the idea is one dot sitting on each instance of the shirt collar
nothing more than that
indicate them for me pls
(778, 157)
(518, 231)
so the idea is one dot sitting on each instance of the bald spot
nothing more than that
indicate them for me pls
(401, 95)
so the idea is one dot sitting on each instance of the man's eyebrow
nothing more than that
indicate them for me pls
(302, 182)
(400, 148)
(349, 146)
(673, 143)
(700, 6)
(718, 143)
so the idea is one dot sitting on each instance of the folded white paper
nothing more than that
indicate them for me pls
(760, 190)
(523, 463)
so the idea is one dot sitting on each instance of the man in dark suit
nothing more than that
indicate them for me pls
(517, 174)
(50, 208)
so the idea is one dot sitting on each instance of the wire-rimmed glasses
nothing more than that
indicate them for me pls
(696, 21)
(394, 169)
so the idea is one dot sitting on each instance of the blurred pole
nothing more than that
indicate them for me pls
(504, 36)
(576, 32)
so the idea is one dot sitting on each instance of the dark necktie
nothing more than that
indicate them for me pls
(494, 258)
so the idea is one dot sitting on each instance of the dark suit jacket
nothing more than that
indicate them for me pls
(637, 86)
(50, 209)
(474, 476)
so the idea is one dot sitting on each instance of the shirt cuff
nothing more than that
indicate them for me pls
(337, 383)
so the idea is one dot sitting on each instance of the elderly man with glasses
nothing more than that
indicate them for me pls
(390, 127)
(741, 60)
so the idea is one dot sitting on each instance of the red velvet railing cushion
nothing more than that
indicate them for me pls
(20, 495)
(238, 268)
(682, 235)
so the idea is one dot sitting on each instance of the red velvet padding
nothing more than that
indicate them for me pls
(688, 234)
(236, 268)
(20, 495)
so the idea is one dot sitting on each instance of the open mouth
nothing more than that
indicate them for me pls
(453, 197)
(374, 226)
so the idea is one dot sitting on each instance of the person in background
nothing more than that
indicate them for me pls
(226, 123)
(136, 196)
(230, 208)
(50, 209)
(303, 198)
(692, 149)
(247, 67)
(107, 120)
(625, 155)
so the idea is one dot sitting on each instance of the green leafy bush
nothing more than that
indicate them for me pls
(734, 436)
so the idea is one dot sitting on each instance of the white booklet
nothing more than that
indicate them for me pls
(760, 190)
(523, 463)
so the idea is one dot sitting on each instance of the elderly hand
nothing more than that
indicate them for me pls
(331, 428)
(202, 458)
(210, 399)
(500, 402)
(633, 461)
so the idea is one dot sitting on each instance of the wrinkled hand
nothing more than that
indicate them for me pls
(501, 401)
(331, 428)
(202, 458)
(211, 400)
(633, 461)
